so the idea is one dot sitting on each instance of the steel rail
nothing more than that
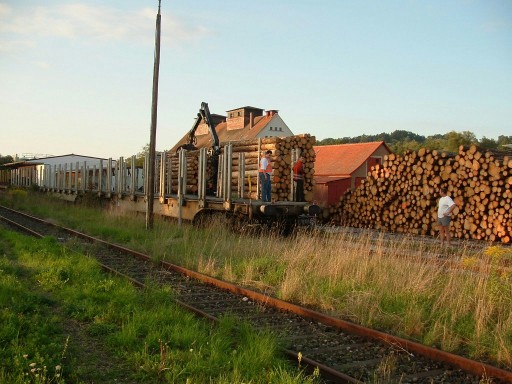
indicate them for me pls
(468, 365)
(326, 371)
(23, 228)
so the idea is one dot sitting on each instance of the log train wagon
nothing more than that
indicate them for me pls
(192, 184)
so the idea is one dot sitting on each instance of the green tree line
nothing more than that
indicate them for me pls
(400, 141)
(6, 159)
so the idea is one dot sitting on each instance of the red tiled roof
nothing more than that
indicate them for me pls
(343, 159)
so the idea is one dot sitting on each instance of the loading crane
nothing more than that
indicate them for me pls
(213, 151)
(202, 115)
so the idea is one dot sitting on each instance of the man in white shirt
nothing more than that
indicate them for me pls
(444, 211)
(265, 172)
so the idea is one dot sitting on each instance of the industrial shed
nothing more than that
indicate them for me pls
(339, 168)
(328, 190)
(44, 172)
(21, 173)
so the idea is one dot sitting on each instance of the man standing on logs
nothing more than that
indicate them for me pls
(298, 178)
(445, 208)
(265, 172)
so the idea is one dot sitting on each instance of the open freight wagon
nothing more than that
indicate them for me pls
(193, 184)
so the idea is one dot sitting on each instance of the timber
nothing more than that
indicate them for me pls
(283, 152)
(401, 194)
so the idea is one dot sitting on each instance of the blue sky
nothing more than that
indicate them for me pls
(76, 76)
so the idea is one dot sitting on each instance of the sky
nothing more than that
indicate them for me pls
(76, 76)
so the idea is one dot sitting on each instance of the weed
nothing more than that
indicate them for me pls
(111, 320)
(393, 284)
(384, 372)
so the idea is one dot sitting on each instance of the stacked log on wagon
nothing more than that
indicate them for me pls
(401, 195)
(171, 172)
(284, 150)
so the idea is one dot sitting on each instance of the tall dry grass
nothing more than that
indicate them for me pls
(400, 287)
(461, 302)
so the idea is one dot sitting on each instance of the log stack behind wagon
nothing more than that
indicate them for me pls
(401, 195)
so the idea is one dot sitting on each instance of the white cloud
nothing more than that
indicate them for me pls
(4, 9)
(82, 21)
(14, 44)
(42, 64)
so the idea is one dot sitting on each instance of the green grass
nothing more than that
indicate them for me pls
(64, 321)
(466, 308)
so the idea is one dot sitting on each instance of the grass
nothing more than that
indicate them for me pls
(463, 307)
(64, 321)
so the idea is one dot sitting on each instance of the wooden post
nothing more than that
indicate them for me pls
(152, 140)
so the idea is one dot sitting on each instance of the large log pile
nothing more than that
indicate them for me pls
(402, 194)
(282, 150)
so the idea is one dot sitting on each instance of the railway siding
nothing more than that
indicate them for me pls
(335, 345)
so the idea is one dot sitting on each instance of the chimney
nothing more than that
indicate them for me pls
(251, 120)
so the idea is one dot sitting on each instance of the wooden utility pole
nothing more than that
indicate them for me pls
(152, 141)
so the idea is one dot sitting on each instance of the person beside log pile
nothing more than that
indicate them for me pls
(444, 212)
(400, 195)
(298, 178)
(265, 172)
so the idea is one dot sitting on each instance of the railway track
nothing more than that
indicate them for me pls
(384, 240)
(343, 352)
(418, 248)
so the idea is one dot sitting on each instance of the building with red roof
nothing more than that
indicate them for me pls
(339, 168)
(244, 123)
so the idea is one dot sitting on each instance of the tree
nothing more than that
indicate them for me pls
(502, 140)
(488, 143)
(400, 141)
(437, 142)
(401, 147)
(328, 141)
(144, 152)
(456, 139)
(139, 157)
(6, 159)
(401, 135)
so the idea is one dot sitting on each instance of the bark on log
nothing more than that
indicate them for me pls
(401, 195)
